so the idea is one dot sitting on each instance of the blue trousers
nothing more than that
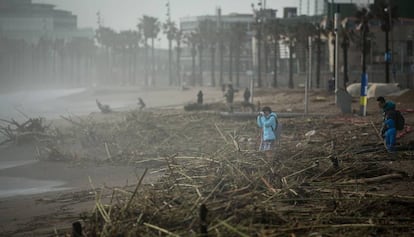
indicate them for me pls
(390, 136)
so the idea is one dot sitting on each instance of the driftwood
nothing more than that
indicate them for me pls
(14, 131)
(196, 106)
(69, 119)
(373, 179)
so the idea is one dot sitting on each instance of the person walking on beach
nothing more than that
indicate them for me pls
(246, 95)
(200, 97)
(229, 97)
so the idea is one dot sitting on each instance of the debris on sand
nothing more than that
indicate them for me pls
(30, 130)
(336, 183)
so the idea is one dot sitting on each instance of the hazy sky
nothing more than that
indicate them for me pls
(124, 14)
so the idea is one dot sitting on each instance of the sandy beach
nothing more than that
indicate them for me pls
(39, 195)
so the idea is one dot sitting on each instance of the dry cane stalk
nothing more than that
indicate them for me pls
(221, 134)
(136, 189)
(160, 229)
(233, 229)
(373, 179)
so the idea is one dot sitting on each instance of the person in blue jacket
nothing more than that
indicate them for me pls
(267, 121)
(387, 107)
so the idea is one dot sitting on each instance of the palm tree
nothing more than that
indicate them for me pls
(221, 47)
(58, 47)
(305, 30)
(259, 37)
(203, 35)
(231, 47)
(170, 30)
(44, 46)
(150, 27)
(320, 31)
(106, 38)
(238, 33)
(289, 38)
(297, 33)
(274, 31)
(228, 45)
(121, 46)
(128, 43)
(347, 35)
(83, 50)
(178, 36)
(208, 32)
(133, 39)
(191, 39)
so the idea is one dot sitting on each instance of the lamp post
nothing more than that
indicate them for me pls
(258, 15)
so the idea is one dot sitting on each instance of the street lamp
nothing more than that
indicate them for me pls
(258, 16)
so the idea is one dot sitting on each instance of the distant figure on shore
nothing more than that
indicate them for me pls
(141, 103)
(246, 102)
(200, 97)
(247, 95)
(229, 97)
(103, 108)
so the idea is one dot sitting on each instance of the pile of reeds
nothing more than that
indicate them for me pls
(316, 185)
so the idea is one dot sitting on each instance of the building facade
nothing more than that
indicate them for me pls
(41, 46)
(22, 19)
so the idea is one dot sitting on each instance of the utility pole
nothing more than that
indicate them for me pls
(258, 14)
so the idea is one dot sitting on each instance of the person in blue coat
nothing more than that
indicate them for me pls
(387, 107)
(267, 121)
